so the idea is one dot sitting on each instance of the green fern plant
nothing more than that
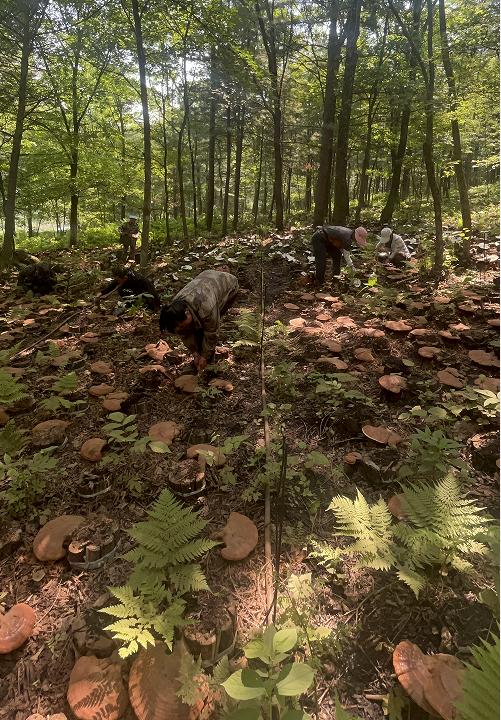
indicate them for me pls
(432, 454)
(442, 528)
(11, 390)
(12, 440)
(480, 698)
(165, 567)
(248, 329)
(8, 353)
(26, 479)
(66, 385)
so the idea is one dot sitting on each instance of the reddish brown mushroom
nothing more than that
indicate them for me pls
(208, 452)
(459, 327)
(335, 362)
(101, 368)
(101, 389)
(468, 308)
(291, 306)
(396, 506)
(450, 377)
(486, 359)
(154, 684)
(307, 297)
(419, 332)
(323, 317)
(371, 332)
(429, 352)
(493, 322)
(187, 383)
(332, 345)
(434, 682)
(239, 535)
(447, 335)
(393, 383)
(16, 627)
(297, 322)
(49, 432)
(352, 457)
(89, 338)
(52, 539)
(487, 383)
(345, 321)
(153, 369)
(363, 354)
(381, 435)
(157, 351)
(92, 449)
(164, 431)
(398, 326)
(96, 689)
(113, 401)
(221, 384)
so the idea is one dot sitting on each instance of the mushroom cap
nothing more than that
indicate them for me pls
(335, 362)
(393, 383)
(187, 383)
(450, 377)
(291, 306)
(101, 368)
(202, 449)
(114, 400)
(323, 317)
(101, 389)
(49, 432)
(154, 683)
(434, 682)
(397, 326)
(152, 368)
(164, 431)
(487, 383)
(91, 449)
(352, 457)
(297, 322)
(396, 507)
(428, 352)
(221, 384)
(459, 327)
(49, 542)
(15, 627)
(89, 338)
(418, 332)
(493, 322)
(332, 345)
(486, 359)
(157, 351)
(345, 321)
(447, 335)
(307, 296)
(239, 535)
(363, 354)
(96, 689)
(371, 332)
(381, 435)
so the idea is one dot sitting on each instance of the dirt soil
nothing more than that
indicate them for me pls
(368, 611)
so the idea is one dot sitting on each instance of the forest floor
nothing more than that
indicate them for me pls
(319, 398)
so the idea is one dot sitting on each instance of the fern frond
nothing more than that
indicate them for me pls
(12, 440)
(480, 700)
(411, 578)
(188, 578)
(11, 390)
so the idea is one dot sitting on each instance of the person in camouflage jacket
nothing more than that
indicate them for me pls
(129, 233)
(195, 313)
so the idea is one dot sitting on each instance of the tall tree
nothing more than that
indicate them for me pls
(457, 153)
(211, 150)
(341, 191)
(19, 25)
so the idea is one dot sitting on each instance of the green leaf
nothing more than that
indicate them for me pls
(247, 713)
(295, 679)
(159, 447)
(285, 640)
(408, 363)
(295, 715)
(255, 649)
(244, 685)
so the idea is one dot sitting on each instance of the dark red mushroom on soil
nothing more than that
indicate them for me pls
(187, 383)
(154, 684)
(113, 401)
(211, 454)
(239, 535)
(297, 322)
(89, 338)
(335, 362)
(493, 322)
(451, 378)
(147, 369)
(157, 351)
(398, 326)
(52, 539)
(371, 332)
(324, 317)
(96, 689)
(420, 332)
(486, 359)
(459, 327)
(345, 321)
(447, 335)
(429, 352)
(221, 384)
(49, 432)
(352, 457)
(434, 682)
(101, 368)
(393, 383)
(291, 306)
(100, 390)
(381, 435)
(308, 297)
(16, 627)
(363, 354)
(332, 345)
(164, 432)
(397, 507)
(487, 383)
(92, 449)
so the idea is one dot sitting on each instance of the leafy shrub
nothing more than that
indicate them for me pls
(431, 455)
(26, 479)
(480, 699)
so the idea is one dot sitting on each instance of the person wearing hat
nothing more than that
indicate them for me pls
(129, 233)
(334, 241)
(391, 247)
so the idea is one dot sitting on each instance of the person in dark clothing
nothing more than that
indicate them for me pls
(334, 241)
(39, 278)
(132, 286)
(129, 233)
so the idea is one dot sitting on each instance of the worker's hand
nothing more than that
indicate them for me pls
(200, 363)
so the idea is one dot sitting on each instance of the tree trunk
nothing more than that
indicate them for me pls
(165, 169)
(10, 200)
(464, 198)
(141, 61)
(324, 177)
(238, 164)
(29, 219)
(257, 185)
(278, 195)
(397, 156)
(209, 210)
(186, 103)
(341, 190)
(180, 178)
(224, 228)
